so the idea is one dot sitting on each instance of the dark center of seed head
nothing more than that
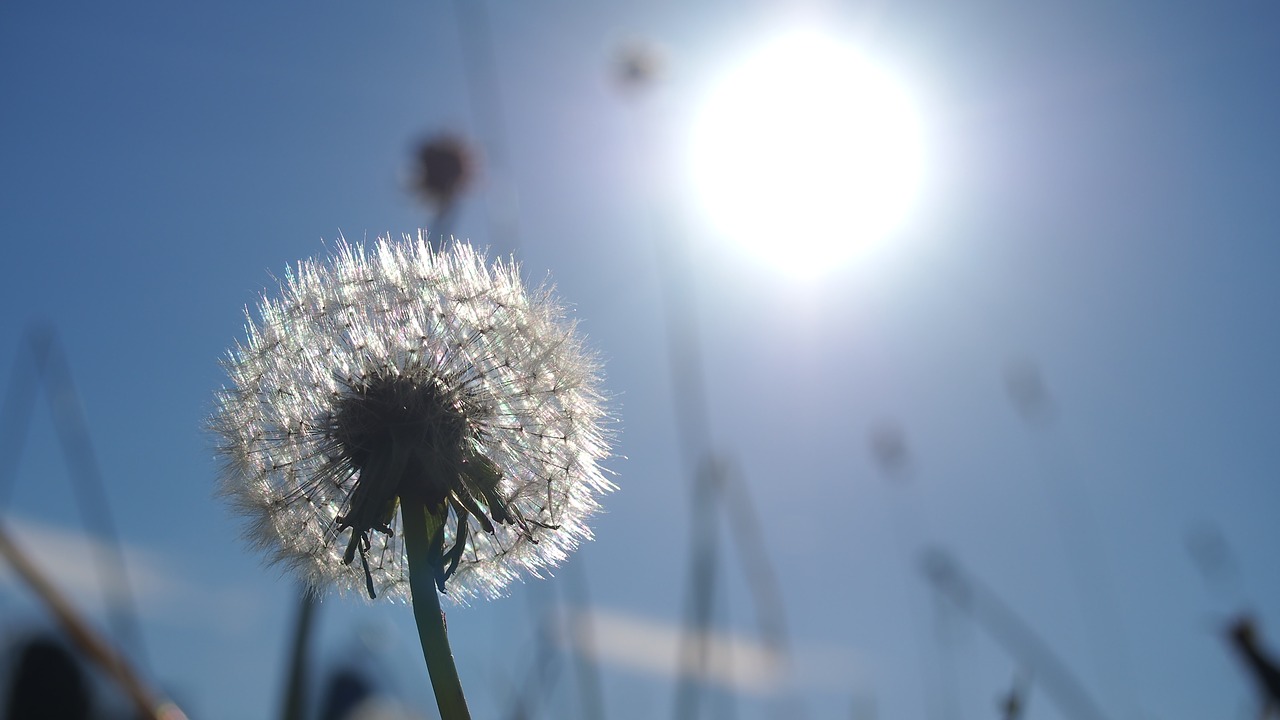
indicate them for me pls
(419, 413)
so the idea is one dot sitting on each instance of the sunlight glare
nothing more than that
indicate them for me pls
(806, 153)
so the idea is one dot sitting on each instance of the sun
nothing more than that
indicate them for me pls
(806, 153)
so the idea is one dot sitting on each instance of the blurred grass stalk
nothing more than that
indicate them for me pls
(86, 639)
(295, 693)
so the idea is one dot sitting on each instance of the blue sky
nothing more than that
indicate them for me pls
(1101, 205)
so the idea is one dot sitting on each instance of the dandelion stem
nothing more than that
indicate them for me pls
(420, 525)
(296, 686)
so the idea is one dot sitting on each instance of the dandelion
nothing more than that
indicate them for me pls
(406, 420)
(444, 168)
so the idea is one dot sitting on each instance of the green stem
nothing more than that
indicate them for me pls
(420, 524)
(296, 687)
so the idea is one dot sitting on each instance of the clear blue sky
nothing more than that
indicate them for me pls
(1104, 205)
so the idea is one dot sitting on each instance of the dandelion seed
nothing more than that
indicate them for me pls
(409, 377)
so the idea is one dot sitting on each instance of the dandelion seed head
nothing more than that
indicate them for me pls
(480, 388)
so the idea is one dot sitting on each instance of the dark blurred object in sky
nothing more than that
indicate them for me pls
(889, 449)
(1013, 704)
(347, 690)
(48, 682)
(638, 66)
(444, 168)
(1242, 634)
(1028, 392)
(1211, 554)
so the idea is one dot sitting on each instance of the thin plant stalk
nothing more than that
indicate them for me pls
(590, 693)
(50, 368)
(299, 656)
(420, 525)
(85, 638)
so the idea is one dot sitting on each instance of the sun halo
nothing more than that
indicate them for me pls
(806, 153)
